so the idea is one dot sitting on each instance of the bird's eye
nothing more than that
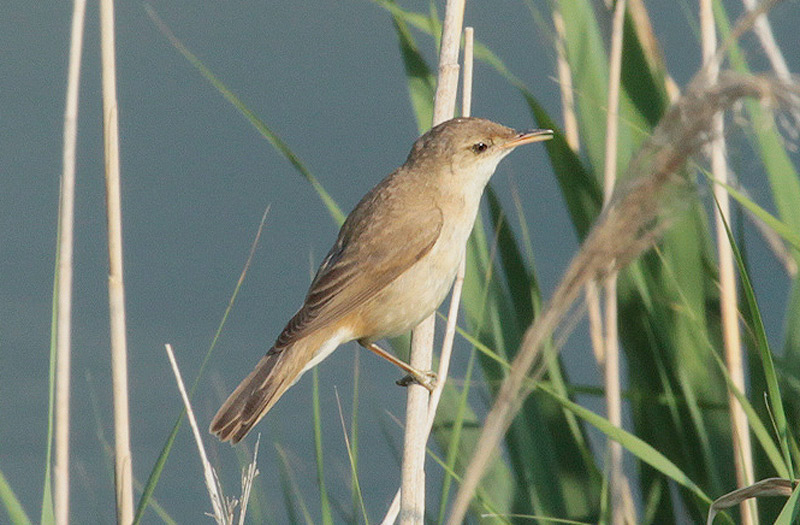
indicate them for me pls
(479, 147)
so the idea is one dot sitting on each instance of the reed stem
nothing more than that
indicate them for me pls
(412, 497)
(116, 287)
(66, 221)
(611, 373)
(742, 455)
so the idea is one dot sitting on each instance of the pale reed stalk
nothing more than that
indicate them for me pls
(116, 288)
(742, 454)
(65, 240)
(611, 374)
(455, 296)
(412, 497)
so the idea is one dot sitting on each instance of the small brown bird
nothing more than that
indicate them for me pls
(392, 265)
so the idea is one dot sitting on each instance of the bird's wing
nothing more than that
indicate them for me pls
(362, 263)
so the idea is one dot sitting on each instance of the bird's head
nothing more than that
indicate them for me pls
(469, 147)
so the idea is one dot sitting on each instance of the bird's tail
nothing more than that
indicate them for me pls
(254, 396)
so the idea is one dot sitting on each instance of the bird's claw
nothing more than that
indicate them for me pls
(425, 378)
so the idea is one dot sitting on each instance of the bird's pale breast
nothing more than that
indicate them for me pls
(416, 293)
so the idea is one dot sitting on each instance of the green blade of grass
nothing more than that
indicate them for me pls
(490, 317)
(653, 332)
(541, 438)
(586, 55)
(458, 407)
(791, 511)
(690, 366)
(756, 425)
(787, 232)
(155, 473)
(632, 444)
(291, 491)
(512, 265)
(421, 83)
(575, 458)
(417, 20)
(353, 462)
(760, 335)
(47, 516)
(325, 507)
(355, 491)
(579, 187)
(16, 514)
(644, 86)
(755, 422)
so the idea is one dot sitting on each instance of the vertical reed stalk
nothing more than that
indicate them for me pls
(412, 498)
(116, 289)
(742, 455)
(455, 296)
(65, 240)
(611, 373)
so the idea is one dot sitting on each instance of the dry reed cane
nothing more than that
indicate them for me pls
(64, 277)
(455, 296)
(116, 288)
(412, 497)
(611, 374)
(742, 452)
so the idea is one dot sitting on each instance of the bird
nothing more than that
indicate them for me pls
(392, 265)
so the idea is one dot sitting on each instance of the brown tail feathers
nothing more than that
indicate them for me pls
(254, 396)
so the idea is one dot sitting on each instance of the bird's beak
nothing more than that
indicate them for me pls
(527, 137)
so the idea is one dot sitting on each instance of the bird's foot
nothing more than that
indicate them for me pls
(426, 378)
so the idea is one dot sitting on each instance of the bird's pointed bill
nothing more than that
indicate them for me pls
(528, 137)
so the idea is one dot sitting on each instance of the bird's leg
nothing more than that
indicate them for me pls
(425, 378)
